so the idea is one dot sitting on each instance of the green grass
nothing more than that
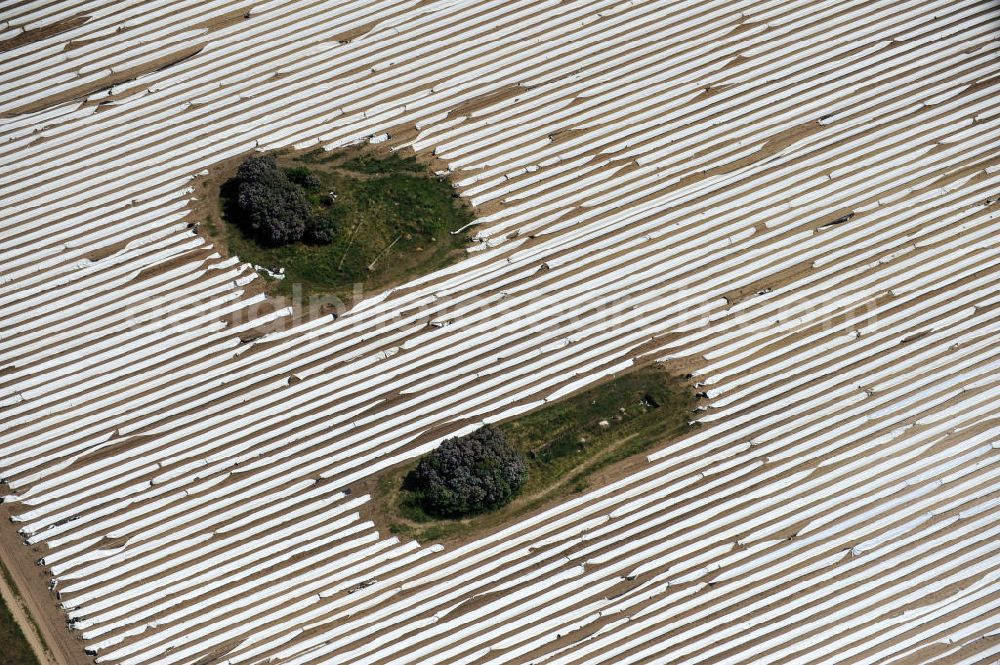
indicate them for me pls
(14, 649)
(395, 221)
(13, 646)
(564, 445)
(394, 163)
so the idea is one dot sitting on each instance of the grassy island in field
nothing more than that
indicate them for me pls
(331, 220)
(561, 445)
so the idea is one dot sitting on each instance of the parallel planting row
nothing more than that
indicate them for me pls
(795, 202)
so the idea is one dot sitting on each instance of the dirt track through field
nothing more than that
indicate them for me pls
(20, 614)
(32, 608)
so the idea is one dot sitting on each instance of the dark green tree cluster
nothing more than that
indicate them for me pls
(468, 475)
(274, 207)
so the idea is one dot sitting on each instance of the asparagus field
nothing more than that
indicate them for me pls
(796, 203)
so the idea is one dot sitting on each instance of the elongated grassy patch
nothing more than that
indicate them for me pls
(564, 444)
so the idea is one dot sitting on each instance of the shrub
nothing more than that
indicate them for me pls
(320, 230)
(305, 178)
(272, 208)
(469, 474)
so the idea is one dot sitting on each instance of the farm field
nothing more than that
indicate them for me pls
(793, 204)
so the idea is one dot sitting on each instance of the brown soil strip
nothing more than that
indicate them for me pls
(113, 79)
(201, 255)
(482, 101)
(38, 34)
(228, 19)
(354, 33)
(770, 282)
